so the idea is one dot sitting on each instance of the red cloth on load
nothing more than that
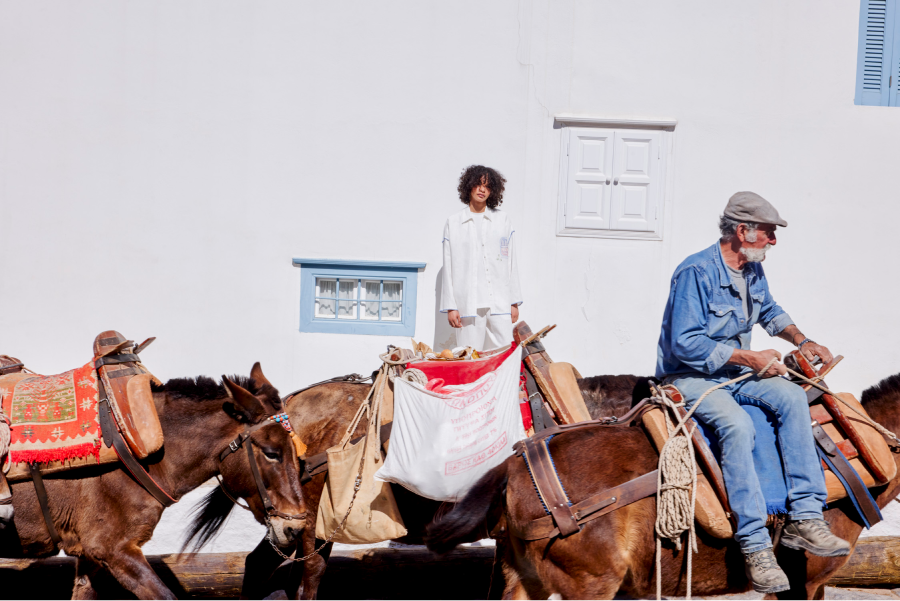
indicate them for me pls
(461, 372)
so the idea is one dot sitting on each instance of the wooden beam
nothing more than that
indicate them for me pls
(383, 573)
(875, 561)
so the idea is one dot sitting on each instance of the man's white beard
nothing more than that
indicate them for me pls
(755, 255)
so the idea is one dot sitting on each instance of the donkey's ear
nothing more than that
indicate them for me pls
(244, 407)
(257, 375)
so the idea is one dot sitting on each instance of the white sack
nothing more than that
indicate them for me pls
(441, 444)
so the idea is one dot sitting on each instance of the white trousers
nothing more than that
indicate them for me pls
(485, 332)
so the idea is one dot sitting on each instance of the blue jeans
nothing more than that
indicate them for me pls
(722, 412)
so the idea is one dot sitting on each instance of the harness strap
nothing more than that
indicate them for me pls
(41, 493)
(634, 413)
(591, 508)
(115, 359)
(349, 378)
(257, 478)
(549, 487)
(112, 435)
(859, 494)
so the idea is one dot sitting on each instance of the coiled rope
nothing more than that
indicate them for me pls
(676, 483)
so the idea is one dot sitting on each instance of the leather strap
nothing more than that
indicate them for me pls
(349, 378)
(6, 368)
(592, 507)
(848, 476)
(536, 402)
(115, 359)
(111, 433)
(254, 469)
(549, 487)
(41, 493)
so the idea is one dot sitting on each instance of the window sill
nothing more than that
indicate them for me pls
(572, 232)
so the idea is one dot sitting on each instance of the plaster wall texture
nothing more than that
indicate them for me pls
(163, 163)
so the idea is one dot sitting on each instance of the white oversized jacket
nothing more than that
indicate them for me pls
(460, 278)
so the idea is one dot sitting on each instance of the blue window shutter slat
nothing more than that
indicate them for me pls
(877, 53)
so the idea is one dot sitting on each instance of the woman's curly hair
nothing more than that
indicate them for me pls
(471, 178)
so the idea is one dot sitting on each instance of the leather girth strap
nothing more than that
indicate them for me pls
(41, 493)
(548, 485)
(848, 476)
(113, 438)
(592, 508)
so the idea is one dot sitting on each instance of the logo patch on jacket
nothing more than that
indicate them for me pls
(504, 247)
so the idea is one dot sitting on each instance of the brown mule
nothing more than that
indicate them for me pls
(319, 416)
(104, 516)
(615, 553)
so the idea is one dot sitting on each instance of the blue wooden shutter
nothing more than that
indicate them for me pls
(894, 70)
(876, 47)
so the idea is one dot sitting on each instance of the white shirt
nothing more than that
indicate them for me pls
(467, 252)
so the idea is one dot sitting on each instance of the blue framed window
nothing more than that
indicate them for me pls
(878, 59)
(358, 297)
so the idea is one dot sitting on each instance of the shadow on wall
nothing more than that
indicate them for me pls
(444, 335)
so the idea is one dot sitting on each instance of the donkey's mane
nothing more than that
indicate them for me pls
(881, 394)
(204, 388)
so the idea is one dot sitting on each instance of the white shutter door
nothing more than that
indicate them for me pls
(589, 170)
(635, 189)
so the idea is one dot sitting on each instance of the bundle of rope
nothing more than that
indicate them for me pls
(676, 497)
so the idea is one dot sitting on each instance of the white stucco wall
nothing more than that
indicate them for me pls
(162, 163)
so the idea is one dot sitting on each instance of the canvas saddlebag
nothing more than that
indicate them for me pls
(373, 516)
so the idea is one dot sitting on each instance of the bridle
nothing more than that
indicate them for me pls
(233, 446)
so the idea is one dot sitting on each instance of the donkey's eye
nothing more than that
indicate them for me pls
(272, 455)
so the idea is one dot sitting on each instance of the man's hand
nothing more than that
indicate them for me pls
(811, 349)
(757, 360)
(453, 318)
(793, 335)
(514, 311)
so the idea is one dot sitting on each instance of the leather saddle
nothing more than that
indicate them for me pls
(125, 382)
(855, 456)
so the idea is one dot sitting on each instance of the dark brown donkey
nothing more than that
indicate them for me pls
(319, 416)
(105, 516)
(615, 553)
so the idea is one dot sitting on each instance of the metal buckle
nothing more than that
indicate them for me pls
(235, 444)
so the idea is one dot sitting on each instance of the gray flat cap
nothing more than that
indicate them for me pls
(750, 206)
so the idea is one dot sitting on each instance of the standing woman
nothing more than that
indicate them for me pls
(481, 295)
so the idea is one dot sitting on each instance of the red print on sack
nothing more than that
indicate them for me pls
(463, 398)
(459, 466)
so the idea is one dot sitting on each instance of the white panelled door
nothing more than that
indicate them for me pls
(635, 181)
(612, 182)
(589, 177)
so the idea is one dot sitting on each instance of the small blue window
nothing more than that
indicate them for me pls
(358, 297)
(878, 58)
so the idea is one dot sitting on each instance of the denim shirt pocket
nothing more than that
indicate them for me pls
(721, 321)
(757, 298)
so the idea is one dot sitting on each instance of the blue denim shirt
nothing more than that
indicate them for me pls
(704, 319)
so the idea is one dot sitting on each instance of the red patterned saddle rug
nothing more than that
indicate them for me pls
(53, 418)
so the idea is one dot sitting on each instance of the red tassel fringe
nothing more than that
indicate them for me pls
(62, 454)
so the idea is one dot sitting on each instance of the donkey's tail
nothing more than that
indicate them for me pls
(473, 517)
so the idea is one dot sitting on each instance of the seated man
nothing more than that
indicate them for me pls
(717, 296)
